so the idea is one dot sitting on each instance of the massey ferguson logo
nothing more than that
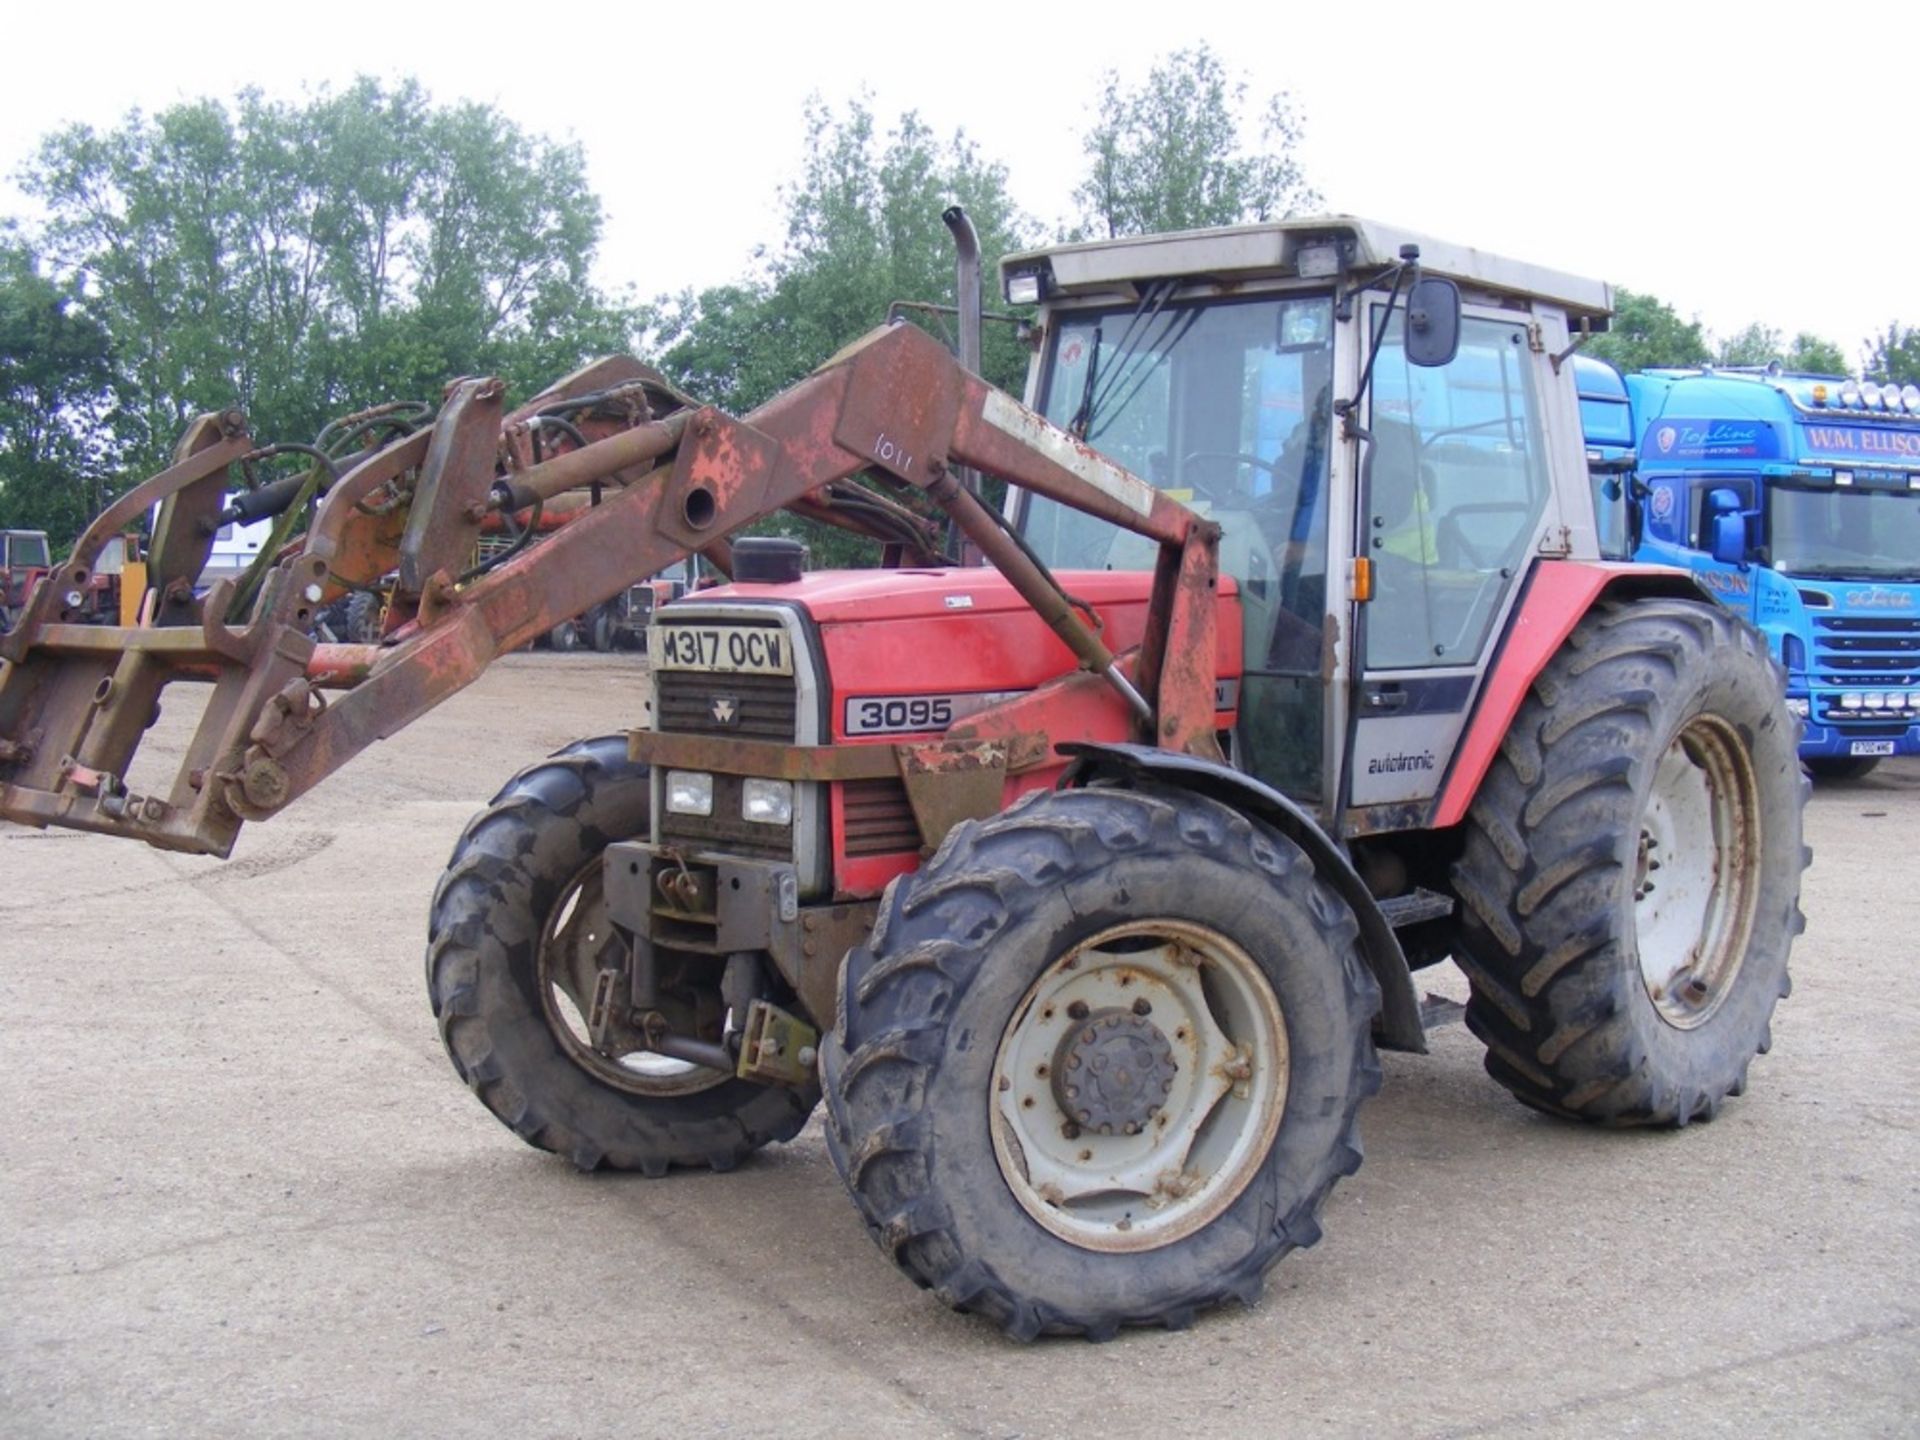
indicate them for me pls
(725, 710)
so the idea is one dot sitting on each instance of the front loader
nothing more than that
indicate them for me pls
(1083, 883)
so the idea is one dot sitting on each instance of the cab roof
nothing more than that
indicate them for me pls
(1273, 250)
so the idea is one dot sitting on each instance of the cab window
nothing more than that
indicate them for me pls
(1457, 480)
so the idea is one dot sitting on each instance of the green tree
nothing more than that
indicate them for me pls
(1183, 150)
(299, 260)
(1895, 355)
(1758, 345)
(1812, 355)
(54, 372)
(1755, 345)
(1647, 333)
(863, 230)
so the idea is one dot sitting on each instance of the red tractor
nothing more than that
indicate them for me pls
(1083, 885)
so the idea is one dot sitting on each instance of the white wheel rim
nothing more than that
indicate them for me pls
(1695, 880)
(1213, 1045)
(575, 942)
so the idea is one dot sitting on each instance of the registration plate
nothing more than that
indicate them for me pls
(1871, 747)
(721, 649)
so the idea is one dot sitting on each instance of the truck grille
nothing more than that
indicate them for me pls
(1854, 651)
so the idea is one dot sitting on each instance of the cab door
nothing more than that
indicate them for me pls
(1456, 498)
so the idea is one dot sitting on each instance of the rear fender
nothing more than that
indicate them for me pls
(1398, 1023)
(1559, 595)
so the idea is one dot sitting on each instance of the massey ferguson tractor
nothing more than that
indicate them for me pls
(1082, 881)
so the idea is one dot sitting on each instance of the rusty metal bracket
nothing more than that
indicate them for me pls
(450, 498)
(777, 1048)
(952, 780)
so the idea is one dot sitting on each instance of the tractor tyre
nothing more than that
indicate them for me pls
(1099, 1061)
(600, 631)
(1842, 767)
(518, 927)
(1630, 880)
(564, 636)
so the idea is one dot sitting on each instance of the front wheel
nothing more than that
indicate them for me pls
(1100, 1060)
(1631, 875)
(519, 936)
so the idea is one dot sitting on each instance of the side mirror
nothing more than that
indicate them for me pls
(1432, 334)
(1727, 528)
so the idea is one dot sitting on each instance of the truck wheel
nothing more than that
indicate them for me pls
(601, 636)
(518, 928)
(1630, 883)
(1842, 767)
(1099, 1061)
(564, 636)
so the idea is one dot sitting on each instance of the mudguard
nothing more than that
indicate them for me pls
(1398, 1026)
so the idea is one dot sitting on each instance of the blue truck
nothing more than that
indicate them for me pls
(1796, 500)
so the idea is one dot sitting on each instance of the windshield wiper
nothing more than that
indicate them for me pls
(1083, 412)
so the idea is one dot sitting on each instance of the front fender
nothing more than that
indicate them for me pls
(1398, 1023)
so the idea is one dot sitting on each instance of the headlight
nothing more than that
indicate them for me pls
(689, 792)
(1850, 700)
(767, 802)
(1910, 397)
(1850, 396)
(1799, 707)
(1874, 700)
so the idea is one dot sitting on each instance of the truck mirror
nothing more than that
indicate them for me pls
(1432, 334)
(1727, 532)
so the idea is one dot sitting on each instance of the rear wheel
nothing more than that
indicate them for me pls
(1631, 875)
(564, 636)
(1100, 1060)
(519, 934)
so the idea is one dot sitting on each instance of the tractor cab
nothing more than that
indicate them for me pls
(1380, 507)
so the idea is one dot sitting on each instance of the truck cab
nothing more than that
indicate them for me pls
(1795, 499)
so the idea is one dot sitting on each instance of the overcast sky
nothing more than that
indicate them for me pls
(1744, 162)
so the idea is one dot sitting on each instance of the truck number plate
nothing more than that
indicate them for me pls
(723, 649)
(1872, 747)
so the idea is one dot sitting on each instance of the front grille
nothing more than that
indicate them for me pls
(1849, 650)
(879, 820)
(755, 707)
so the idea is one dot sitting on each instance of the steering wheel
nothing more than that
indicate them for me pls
(1239, 457)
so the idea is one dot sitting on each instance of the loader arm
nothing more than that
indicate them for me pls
(285, 712)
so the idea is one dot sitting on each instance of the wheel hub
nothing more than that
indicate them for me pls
(1114, 1073)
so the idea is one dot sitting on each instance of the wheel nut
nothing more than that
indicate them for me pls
(1077, 1010)
(1141, 1007)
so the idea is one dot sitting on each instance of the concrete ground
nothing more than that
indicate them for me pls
(242, 1192)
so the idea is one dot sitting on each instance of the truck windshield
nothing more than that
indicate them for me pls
(1226, 407)
(1844, 533)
